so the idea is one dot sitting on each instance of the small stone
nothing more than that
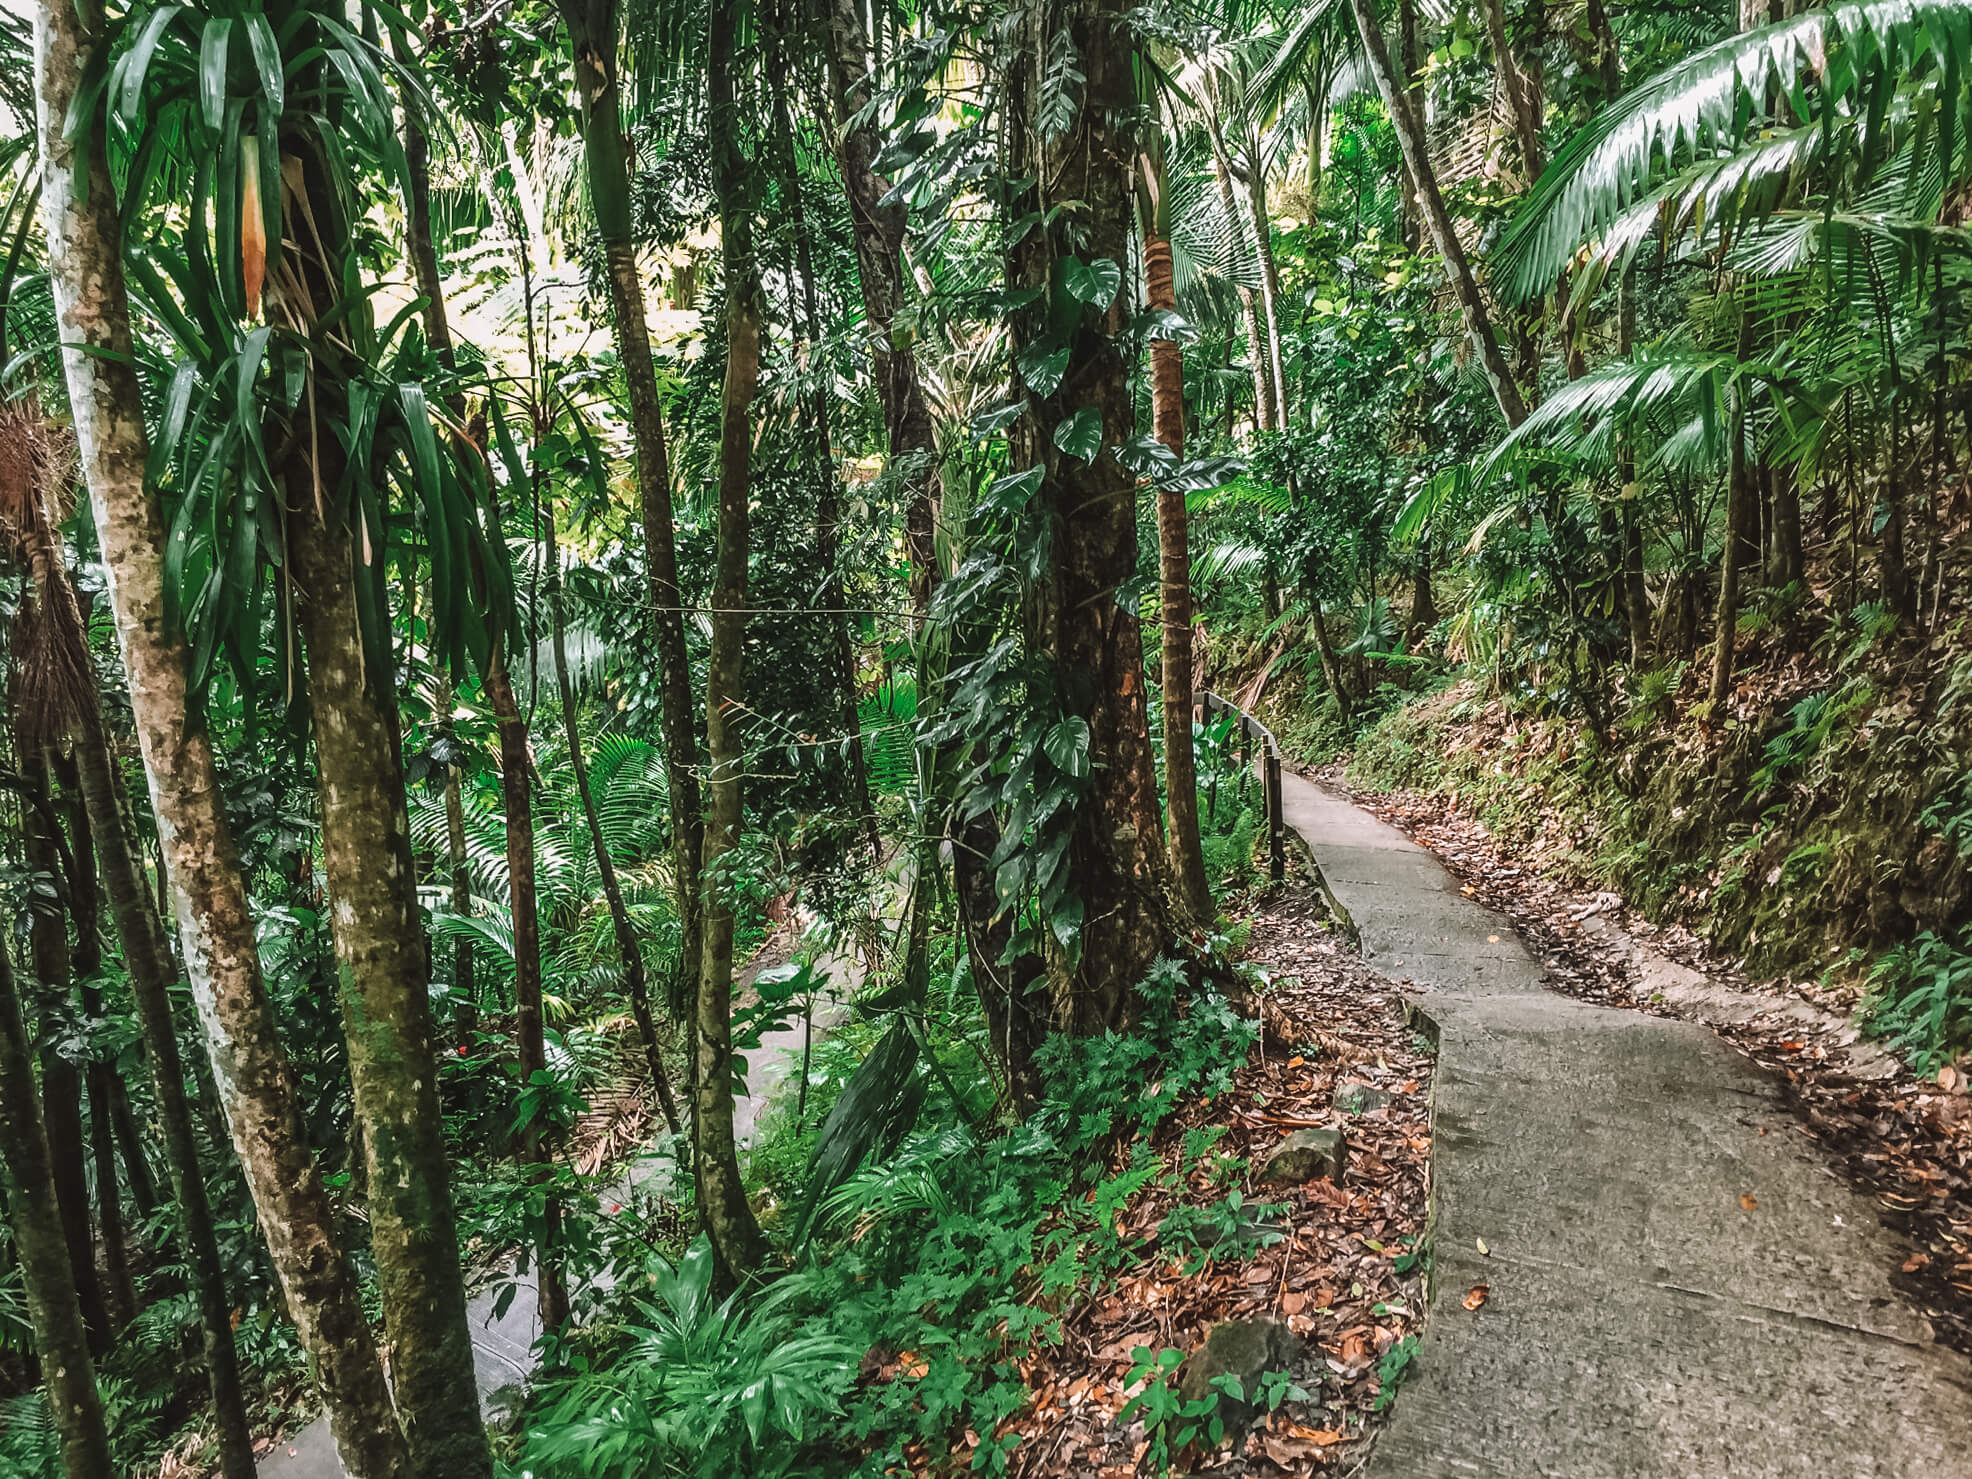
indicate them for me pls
(1306, 1154)
(1356, 1097)
(1247, 1349)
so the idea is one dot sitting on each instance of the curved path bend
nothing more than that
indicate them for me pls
(1679, 1285)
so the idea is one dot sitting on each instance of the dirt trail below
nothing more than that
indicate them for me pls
(1639, 1269)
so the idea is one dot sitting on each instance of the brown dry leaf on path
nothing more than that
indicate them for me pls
(1749, 1202)
(1476, 1296)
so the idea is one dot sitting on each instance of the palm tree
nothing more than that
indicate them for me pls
(1431, 202)
(1167, 414)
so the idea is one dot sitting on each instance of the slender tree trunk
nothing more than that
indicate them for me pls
(106, 1097)
(1523, 101)
(828, 499)
(60, 1338)
(723, 1208)
(1410, 217)
(1739, 507)
(1092, 643)
(1266, 416)
(465, 979)
(1331, 664)
(147, 962)
(517, 792)
(1410, 137)
(1263, 240)
(635, 983)
(1788, 561)
(137, 1173)
(383, 966)
(878, 225)
(86, 275)
(61, 1079)
(1167, 420)
(421, 248)
(592, 31)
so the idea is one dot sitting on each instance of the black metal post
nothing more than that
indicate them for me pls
(1276, 821)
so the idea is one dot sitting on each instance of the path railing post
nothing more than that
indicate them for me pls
(1248, 733)
(1276, 821)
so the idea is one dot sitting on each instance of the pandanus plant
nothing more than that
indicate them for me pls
(294, 427)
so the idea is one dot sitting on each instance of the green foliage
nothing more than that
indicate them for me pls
(695, 1384)
(1920, 998)
(1217, 1231)
(939, 1261)
(1172, 1424)
(1392, 1368)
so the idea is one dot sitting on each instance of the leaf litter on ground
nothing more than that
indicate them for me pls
(1346, 1273)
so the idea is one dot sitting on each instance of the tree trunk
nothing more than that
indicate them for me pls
(1786, 562)
(107, 1100)
(1092, 643)
(1739, 502)
(465, 979)
(517, 792)
(723, 1208)
(422, 250)
(592, 39)
(1167, 421)
(61, 1079)
(386, 994)
(1263, 241)
(1410, 219)
(61, 1340)
(1410, 137)
(878, 225)
(1522, 95)
(828, 500)
(147, 962)
(635, 983)
(1331, 664)
(382, 963)
(86, 275)
(1266, 415)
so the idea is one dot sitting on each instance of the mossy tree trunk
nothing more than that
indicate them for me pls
(1092, 642)
(592, 36)
(381, 959)
(221, 957)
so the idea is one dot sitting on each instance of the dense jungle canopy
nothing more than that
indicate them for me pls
(632, 632)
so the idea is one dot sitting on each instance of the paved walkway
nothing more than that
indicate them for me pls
(1679, 1284)
(503, 1345)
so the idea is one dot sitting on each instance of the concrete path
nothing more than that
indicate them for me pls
(503, 1344)
(1679, 1285)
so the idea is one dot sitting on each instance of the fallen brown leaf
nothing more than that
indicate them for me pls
(1476, 1296)
(1749, 1202)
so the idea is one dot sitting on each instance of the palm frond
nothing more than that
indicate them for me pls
(1707, 102)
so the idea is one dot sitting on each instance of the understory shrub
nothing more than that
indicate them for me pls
(928, 1272)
